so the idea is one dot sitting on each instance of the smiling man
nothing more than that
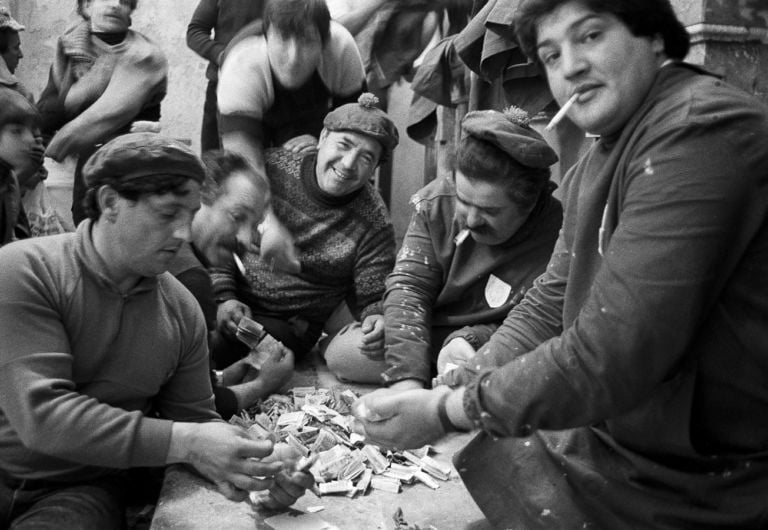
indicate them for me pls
(103, 357)
(474, 246)
(629, 389)
(344, 237)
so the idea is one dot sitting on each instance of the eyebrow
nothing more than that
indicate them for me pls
(573, 27)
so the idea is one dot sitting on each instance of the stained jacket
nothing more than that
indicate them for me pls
(90, 376)
(648, 329)
(469, 288)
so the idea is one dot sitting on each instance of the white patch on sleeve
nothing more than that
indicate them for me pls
(496, 291)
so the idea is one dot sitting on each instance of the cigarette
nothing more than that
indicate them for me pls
(557, 118)
(239, 263)
(461, 236)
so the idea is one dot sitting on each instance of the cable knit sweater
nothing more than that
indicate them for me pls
(346, 247)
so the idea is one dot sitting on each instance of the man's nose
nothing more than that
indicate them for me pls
(245, 236)
(184, 230)
(573, 61)
(474, 219)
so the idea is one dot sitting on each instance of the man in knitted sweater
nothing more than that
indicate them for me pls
(343, 235)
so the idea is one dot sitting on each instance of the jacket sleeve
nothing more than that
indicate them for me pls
(200, 29)
(51, 104)
(671, 252)
(412, 289)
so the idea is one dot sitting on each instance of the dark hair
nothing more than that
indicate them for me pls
(296, 18)
(133, 189)
(81, 6)
(644, 18)
(5, 38)
(16, 109)
(481, 161)
(219, 166)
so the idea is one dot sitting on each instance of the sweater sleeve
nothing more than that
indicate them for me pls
(200, 29)
(672, 249)
(375, 259)
(341, 67)
(412, 289)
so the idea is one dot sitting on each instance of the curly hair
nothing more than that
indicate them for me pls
(644, 18)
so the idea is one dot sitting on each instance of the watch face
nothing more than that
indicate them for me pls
(250, 332)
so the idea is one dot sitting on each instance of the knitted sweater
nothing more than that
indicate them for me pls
(346, 247)
(90, 376)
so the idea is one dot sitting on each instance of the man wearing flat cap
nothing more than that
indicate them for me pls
(343, 234)
(475, 244)
(103, 355)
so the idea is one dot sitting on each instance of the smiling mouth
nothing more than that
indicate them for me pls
(341, 175)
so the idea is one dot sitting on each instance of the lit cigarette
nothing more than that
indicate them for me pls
(461, 236)
(239, 263)
(557, 118)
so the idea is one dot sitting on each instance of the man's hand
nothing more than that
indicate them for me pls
(229, 313)
(225, 455)
(301, 145)
(373, 337)
(277, 248)
(400, 419)
(455, 353)
(287, 489)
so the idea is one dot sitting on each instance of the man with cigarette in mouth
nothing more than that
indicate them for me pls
(344, 238)
(476, 242)
(629, 389)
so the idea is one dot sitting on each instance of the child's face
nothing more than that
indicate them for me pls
(17, 144)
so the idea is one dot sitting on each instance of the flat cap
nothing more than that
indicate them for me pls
(142, 154)
(7, 21)
(510, 131)
(365, 118)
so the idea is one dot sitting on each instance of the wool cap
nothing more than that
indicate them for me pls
(365, 118)
(511, 132)
(143, 154)
(7, 21)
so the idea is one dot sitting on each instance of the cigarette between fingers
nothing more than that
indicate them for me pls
(557, 118)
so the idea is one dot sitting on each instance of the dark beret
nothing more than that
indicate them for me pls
(365, 118)
(142, 154)
(510, 132)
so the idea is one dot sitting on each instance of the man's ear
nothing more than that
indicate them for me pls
(109, 201)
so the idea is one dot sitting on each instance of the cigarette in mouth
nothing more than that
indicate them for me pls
(557, 118)
(461, 236)
(239, 263)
